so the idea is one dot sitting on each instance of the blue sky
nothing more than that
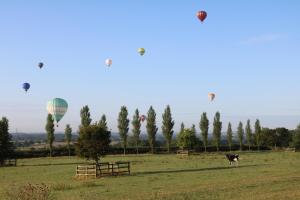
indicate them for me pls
(247, 52)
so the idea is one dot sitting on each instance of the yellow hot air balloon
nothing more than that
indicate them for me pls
(211, 96)
(141, 51)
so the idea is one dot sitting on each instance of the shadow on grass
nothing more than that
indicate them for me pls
(195, 170)
(50, 164)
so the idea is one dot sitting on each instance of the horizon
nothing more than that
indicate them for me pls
(250, 60)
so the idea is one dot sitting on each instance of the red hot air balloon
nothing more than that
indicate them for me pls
(142, 118)
(201, 15)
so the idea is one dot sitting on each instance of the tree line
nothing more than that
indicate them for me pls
(94, 138)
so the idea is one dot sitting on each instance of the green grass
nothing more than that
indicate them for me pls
(264, 175)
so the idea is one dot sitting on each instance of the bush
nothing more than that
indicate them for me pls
(29, 192)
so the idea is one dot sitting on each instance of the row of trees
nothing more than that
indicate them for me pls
(186, 138)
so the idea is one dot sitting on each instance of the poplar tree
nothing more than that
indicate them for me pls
(123, 126)
(240, 133)
(204, 125)
(136, 129)
(151, 127)
(248, 134)
(217, 128)
(229, 136)
(68, 136)
(167, 126)
(50, 132)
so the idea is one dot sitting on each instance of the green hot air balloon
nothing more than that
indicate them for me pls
(141, 51)
(57, 108)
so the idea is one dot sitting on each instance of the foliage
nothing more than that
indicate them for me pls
(50, 132)
(284, 137)
(167, 126)
(257, 134)
(85, 116)
(204, 125)
(217, 128)
(136, 129)
(68, 136)
(296, 138)
(229, 136)
(123, 126)
(249, 134)
(151, 127)
(240, 133)
(93, 142)
(6, 146)
(187, 139)
(103, 123)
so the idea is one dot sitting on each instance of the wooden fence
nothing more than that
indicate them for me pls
(103, 169)
(9, 162)
(86, 171)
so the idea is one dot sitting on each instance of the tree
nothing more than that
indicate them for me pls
(217, 128)
(50, 132)
(136, 129)
(151, 127)
(85, 116)
(204, 124)
(181, 127)
(6, 145)
(187, 139)
(296, 138)
(257, 134)
(103, 123)
(248, 134)
(123, 126)
(240, 133)
(268, 137)
(283, 137)
(229, 136)
(68, 136)
(167, 126)
(93, 142)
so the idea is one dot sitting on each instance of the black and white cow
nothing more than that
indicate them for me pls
(233, 158)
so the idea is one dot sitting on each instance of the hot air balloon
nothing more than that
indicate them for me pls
(211, 96)
(41, 65)
(57, 108)
(141, 51)
(26, 86)
(142, 118)
(108, 62)
(201, 15)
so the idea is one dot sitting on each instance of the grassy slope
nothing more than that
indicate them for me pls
(265, 176)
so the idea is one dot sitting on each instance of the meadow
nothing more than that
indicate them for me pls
(260, 175)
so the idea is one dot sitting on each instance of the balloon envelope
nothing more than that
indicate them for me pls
(141, 51)
(201, 15)
(57, 108)
(26, 86)
(211, 96)
(108, 62)
(41, 65)
(142, 118)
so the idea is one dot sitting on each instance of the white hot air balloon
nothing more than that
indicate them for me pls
(108, 62)
(211, 96)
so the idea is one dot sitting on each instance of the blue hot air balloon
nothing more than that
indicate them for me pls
(26, 86)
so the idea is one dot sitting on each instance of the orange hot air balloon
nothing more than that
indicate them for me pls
(211, 96)
(201, 15)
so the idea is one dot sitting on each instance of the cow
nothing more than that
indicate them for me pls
(233, 158)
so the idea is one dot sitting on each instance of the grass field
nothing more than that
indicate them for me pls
(264, 175)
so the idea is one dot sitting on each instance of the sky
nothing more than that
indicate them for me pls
(246, 52)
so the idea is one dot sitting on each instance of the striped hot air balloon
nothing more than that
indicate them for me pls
(57, 108)
(211, 96)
